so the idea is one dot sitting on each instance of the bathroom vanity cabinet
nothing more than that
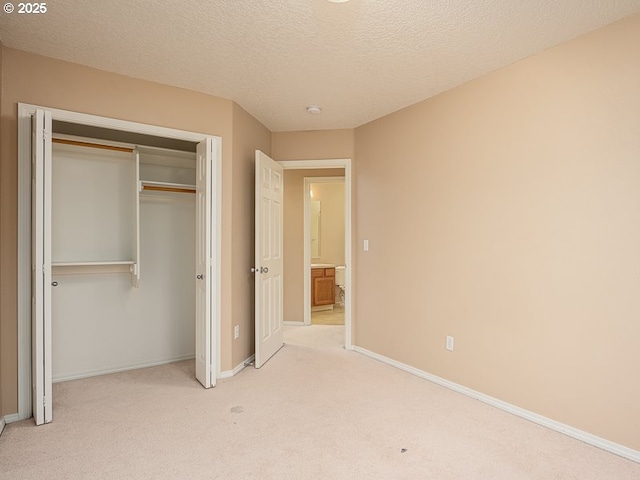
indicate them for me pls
(323, 286)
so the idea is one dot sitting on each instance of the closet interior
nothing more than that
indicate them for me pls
(123, 239)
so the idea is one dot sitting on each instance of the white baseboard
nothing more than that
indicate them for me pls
(568, 430)
(93, 373)
(14, 417)
(237, 369)
(295, 324)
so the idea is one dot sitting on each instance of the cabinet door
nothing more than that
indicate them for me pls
(315, 273)
(324, 291)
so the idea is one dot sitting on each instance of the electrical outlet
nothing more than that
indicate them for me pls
(449, 343)
(236, 331)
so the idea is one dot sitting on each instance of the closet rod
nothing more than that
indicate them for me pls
(92, 145)
(168, 189)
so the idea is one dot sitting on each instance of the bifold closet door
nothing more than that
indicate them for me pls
(205, 371)
(41, 268)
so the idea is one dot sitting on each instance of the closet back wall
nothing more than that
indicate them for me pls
(100, 323)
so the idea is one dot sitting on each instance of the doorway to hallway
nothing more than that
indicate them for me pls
(299, 258)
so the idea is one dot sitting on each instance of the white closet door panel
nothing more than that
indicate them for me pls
(41, 268)
(204, 269)
(93, 194)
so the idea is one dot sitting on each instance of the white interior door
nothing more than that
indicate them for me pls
(205, 373)
(268, 258)
(41, 267)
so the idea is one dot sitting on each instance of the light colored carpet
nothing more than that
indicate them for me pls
(314, 411)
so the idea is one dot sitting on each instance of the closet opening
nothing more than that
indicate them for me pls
(119, 234)
(123, 256)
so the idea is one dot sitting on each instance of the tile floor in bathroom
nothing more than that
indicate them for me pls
(329, 317)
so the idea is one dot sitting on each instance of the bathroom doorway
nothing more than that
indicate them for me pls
(297, 259)
(324, 224)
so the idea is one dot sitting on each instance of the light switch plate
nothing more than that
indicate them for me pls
(449, 343)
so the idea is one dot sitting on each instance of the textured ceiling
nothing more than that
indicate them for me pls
(358, 60)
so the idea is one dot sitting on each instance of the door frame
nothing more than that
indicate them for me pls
(344, 163)
(24, 228)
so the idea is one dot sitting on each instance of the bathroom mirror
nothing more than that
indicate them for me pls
(315, 229)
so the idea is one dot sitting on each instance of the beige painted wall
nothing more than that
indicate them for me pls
(248, 135)
(293, 213)
(44, 81)
(313, 145)
(331, 197)
(509, 217)
(2, 233)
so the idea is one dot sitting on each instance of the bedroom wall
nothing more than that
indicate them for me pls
(248, 135)
(507, 213)
(2, 233)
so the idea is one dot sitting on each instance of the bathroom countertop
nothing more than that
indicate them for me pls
(323, 265)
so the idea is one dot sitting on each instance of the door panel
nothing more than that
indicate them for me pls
(41, 268)
(268, 258)
(204, 271)
(323, 291)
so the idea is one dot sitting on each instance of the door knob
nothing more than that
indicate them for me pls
(200, 277)
(264, 269)
(255, 270)
(54, 284)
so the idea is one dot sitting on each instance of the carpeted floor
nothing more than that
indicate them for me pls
(314, 411)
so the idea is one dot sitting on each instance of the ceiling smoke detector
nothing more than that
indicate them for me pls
(314, 109)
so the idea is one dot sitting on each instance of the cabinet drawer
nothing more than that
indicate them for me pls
(329, 272)
(317, 272)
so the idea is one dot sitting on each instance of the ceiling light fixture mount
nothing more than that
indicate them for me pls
(313, 109)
